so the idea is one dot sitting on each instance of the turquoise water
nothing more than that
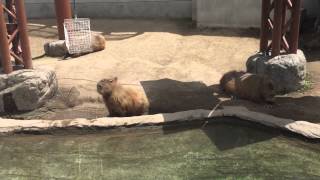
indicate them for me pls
(213, 151)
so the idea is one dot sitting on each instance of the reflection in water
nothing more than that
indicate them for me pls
(217, 150)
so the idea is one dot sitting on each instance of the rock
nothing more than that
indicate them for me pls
(257, 63)
(287, 71)
(26, 90)
(56, 48)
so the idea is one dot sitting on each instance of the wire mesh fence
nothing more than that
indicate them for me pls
(78, 35)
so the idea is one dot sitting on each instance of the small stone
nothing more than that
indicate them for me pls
(56, 48)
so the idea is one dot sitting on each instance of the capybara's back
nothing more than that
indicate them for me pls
(121, 101)
(98, 42)
(253, 87)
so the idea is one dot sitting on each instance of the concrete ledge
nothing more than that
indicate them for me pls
(309, 130)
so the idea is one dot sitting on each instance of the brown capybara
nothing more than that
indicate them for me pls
(98, 42)
(257, 88)
(121, 101)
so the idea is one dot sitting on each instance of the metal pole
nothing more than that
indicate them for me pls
(264, 25)
(24, 39)
(277, 29)
(63, 11)
(4, 45)
(294, 34)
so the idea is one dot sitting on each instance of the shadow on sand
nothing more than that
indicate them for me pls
(167, 96)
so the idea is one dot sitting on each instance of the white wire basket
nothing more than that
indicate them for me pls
(77, 35)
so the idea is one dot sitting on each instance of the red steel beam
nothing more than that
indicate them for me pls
(289, 3)
(277, 30)
(63, 11)
(264, 32)
(13, 30)
(294, 33)
(284, 15)
(4, 45)
(13, 35)
(23, 34)
(10, 10)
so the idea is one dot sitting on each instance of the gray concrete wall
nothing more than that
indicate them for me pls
(212, 13)
(228, 13)
(194, 10)
(238, 13)
(313, 7)
(116, 8)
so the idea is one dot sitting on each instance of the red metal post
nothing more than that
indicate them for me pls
(12, 26)
(24, 39)
(9, 5)
(284, 15)
(277, 29)
(4, 46)
(294, 34)
(63, 11)
(264, 32)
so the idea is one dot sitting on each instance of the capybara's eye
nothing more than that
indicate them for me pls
(99, 87)
(110, 80)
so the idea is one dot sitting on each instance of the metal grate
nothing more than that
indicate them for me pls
(77, 35)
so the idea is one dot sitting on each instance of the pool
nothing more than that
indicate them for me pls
(216, 150)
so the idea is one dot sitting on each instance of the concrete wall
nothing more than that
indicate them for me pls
(238, 13)
(212, 13)
(116, 8)
(313, 7)
(228, 13)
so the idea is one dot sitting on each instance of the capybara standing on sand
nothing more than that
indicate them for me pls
(248, 86)
(121, 101)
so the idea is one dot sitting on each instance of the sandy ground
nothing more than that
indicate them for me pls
(177, 65)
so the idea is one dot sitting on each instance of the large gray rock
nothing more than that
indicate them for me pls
(26, 90)
(55, 48)
(287, 71)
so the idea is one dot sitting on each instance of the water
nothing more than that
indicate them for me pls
(215, 151)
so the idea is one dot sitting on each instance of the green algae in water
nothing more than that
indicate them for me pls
(216, 151)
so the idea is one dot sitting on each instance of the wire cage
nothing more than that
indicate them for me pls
(77, 35)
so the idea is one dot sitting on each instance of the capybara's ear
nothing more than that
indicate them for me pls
(115, 79)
